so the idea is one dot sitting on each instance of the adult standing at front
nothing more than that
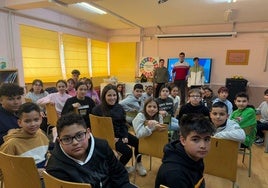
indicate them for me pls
(196, 75)
(179, 75)
(161, 77)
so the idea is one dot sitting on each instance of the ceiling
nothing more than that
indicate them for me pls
(123, 14)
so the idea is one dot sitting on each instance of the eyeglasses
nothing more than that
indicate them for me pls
(195, 96)
(80, 136)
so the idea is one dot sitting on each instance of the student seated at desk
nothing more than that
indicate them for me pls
(225, 128)
(149, 120)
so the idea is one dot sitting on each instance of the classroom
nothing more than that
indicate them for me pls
(40, 40)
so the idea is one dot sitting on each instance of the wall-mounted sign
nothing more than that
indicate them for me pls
(148, 65)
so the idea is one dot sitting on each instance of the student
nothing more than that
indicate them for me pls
(71, 87)
(174, 90)
(80, 157)
(28, 140)
(149, 120)
(262, 124)
(166, 107)
(194, 105)
(196, 75)
(179, 75)
(223, 93)
(75, 75)
(225, 128)
(10, 99)
(37, 91)
(208, 97)
(58, 98)
(182, 164)
(132, 103)
(161, 76)
(82, 103)
(109, 107)
(245, 116)
(91, 92)
(147, 94)
(120, 90)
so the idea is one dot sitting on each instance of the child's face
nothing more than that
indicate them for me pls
(196, 145)
(76, 149)
(81, 91)
(61, 87)
(37, 87)
(30, 122)
(218, 116)
(149, 90)
(266, 97)
(70, 85)
(151, 108)
(174, 92)
(223, 95)
(164, 93)
(11, 104)
(137, 93)
(207, 93)
(75, 77)
(119, 88)
(241, 102)
(195, 98)
(111, 97)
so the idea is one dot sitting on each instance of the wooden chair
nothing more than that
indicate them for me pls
(247, 150)
(28, 100)
(19, 171)
(52, 116)
(102, 127)
(221, 160)
(153, 146)
(52, 182)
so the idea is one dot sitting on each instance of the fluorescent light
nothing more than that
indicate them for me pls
(91, 8)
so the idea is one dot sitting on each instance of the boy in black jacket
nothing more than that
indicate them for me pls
(80, 157)
(182, 164)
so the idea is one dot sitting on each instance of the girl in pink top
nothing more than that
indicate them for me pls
(58, 98)
(91, 92)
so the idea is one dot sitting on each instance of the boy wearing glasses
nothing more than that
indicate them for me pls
(80, 157)
(194, 104)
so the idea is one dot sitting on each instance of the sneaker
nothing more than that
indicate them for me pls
(259, 141)
(141, 170)
(130, 169)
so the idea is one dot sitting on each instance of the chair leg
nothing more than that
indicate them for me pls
(249, 164)
(150, 162)
(244, 153)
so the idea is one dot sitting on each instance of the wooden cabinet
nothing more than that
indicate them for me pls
(9, 76)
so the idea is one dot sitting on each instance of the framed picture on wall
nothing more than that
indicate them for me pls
(237, 57)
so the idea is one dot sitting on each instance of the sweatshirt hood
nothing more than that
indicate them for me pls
(174, 153)
(18, 133)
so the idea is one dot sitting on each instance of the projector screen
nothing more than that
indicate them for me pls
(206, 63)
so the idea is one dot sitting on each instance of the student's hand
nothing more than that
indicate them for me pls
(125, 140)
(163, 113)
(54, 134)
(76, 105)
(151, 123)
(116, 140)
(160, 127)
(40, 172)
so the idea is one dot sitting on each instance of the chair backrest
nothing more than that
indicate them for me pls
(28, 100)
(52, 182)
(102, 127)
(221, 160)
(52, 116)
(19, 171)
(153, 145)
